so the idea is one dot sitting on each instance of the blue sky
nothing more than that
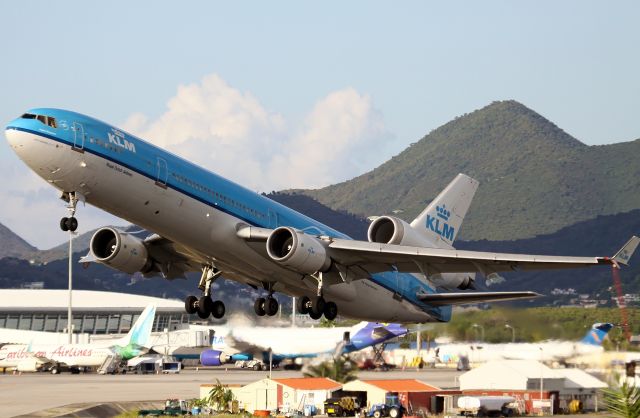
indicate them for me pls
(374, 76)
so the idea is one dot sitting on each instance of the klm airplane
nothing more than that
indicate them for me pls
(204, 222)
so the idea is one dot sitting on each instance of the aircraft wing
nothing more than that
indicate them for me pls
(440, 299)
(375, 257)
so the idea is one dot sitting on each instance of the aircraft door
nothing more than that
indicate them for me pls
(78, 136)
(162, 173)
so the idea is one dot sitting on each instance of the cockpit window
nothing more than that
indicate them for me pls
(47, 120)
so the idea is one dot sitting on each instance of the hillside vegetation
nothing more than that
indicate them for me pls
(534, 177)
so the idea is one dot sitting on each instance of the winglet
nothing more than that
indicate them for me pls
(625, 253)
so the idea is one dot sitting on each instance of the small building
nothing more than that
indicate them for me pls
(292, 394)
(522, 379)
(413, 394)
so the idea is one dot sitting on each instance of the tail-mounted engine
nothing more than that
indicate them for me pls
(392, 230)
(298, 251)
(120, 250)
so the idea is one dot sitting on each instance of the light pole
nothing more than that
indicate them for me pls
(481, 331)
(541, 381)
(513, 332)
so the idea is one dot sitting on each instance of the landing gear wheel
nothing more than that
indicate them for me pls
(190, 304)
(72, 224)
(317, 306)
(313, 315)
(64, 224)
(330, 311)
(205, 305)
(303, 305)
(218, 309)
(271, 306)
(259, 307)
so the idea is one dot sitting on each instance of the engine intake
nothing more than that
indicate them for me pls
(392, 230)
(214, 358)
(120, 250)
(297, 251)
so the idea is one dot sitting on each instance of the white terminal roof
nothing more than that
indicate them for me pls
(44, 299)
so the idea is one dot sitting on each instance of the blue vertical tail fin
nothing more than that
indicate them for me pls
(596, 334)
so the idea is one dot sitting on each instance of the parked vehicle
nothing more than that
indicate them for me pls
(390, 408)
(172, 407)
(341, 406)
(480, 406)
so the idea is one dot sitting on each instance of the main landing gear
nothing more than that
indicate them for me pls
(205, 306)
(266, 306)
(70, 223)
(316, 307)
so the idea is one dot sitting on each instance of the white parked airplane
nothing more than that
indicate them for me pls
(244, 343)
(203, 222)
(34, 357)
(546, 351)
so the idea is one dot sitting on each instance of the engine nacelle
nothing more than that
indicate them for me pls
(452, 281)
(214, 358)
(120, 250)
(297, 251)
(392, 230)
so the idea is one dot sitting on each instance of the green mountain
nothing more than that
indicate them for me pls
(534, 177)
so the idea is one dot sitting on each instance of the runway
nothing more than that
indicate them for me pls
(31, 392)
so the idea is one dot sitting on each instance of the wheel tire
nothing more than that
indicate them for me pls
(314, 315)
(377, 414)
(271, 306)
(302, 305)
(72, 224)
(190, 304)
(63, 224)
(218, 309)
(330, 311)
(317, 305)
(257, 367)
(394, 413)
(258, 306)
(55, 370)
(205, 306)
(202, 315)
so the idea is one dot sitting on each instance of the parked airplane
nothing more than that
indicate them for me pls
(34, 357)
(231, 344)
(203, 222)
(547, 351)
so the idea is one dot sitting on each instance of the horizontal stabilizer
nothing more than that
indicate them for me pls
(625, 253)
(439, 299)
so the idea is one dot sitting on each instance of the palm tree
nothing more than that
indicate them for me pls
(220, 396)
(341, 370)
(623, 401)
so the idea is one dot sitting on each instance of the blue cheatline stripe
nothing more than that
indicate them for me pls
(413, 281)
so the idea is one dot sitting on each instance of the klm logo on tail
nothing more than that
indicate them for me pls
(439, 225)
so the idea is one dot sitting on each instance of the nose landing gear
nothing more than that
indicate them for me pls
(205, 306)
(70, 223)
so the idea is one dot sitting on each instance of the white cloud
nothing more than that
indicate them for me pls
(233, 134)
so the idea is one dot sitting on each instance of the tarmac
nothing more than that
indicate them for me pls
(43, 394)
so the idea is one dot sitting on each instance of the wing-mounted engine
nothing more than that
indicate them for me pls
(120, 250)
(452, 281)
(298, 251)
(214, 358)
(392, 230)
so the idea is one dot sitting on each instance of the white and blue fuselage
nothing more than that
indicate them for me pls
(187, 204)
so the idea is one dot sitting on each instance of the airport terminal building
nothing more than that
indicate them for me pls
(94, 312)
